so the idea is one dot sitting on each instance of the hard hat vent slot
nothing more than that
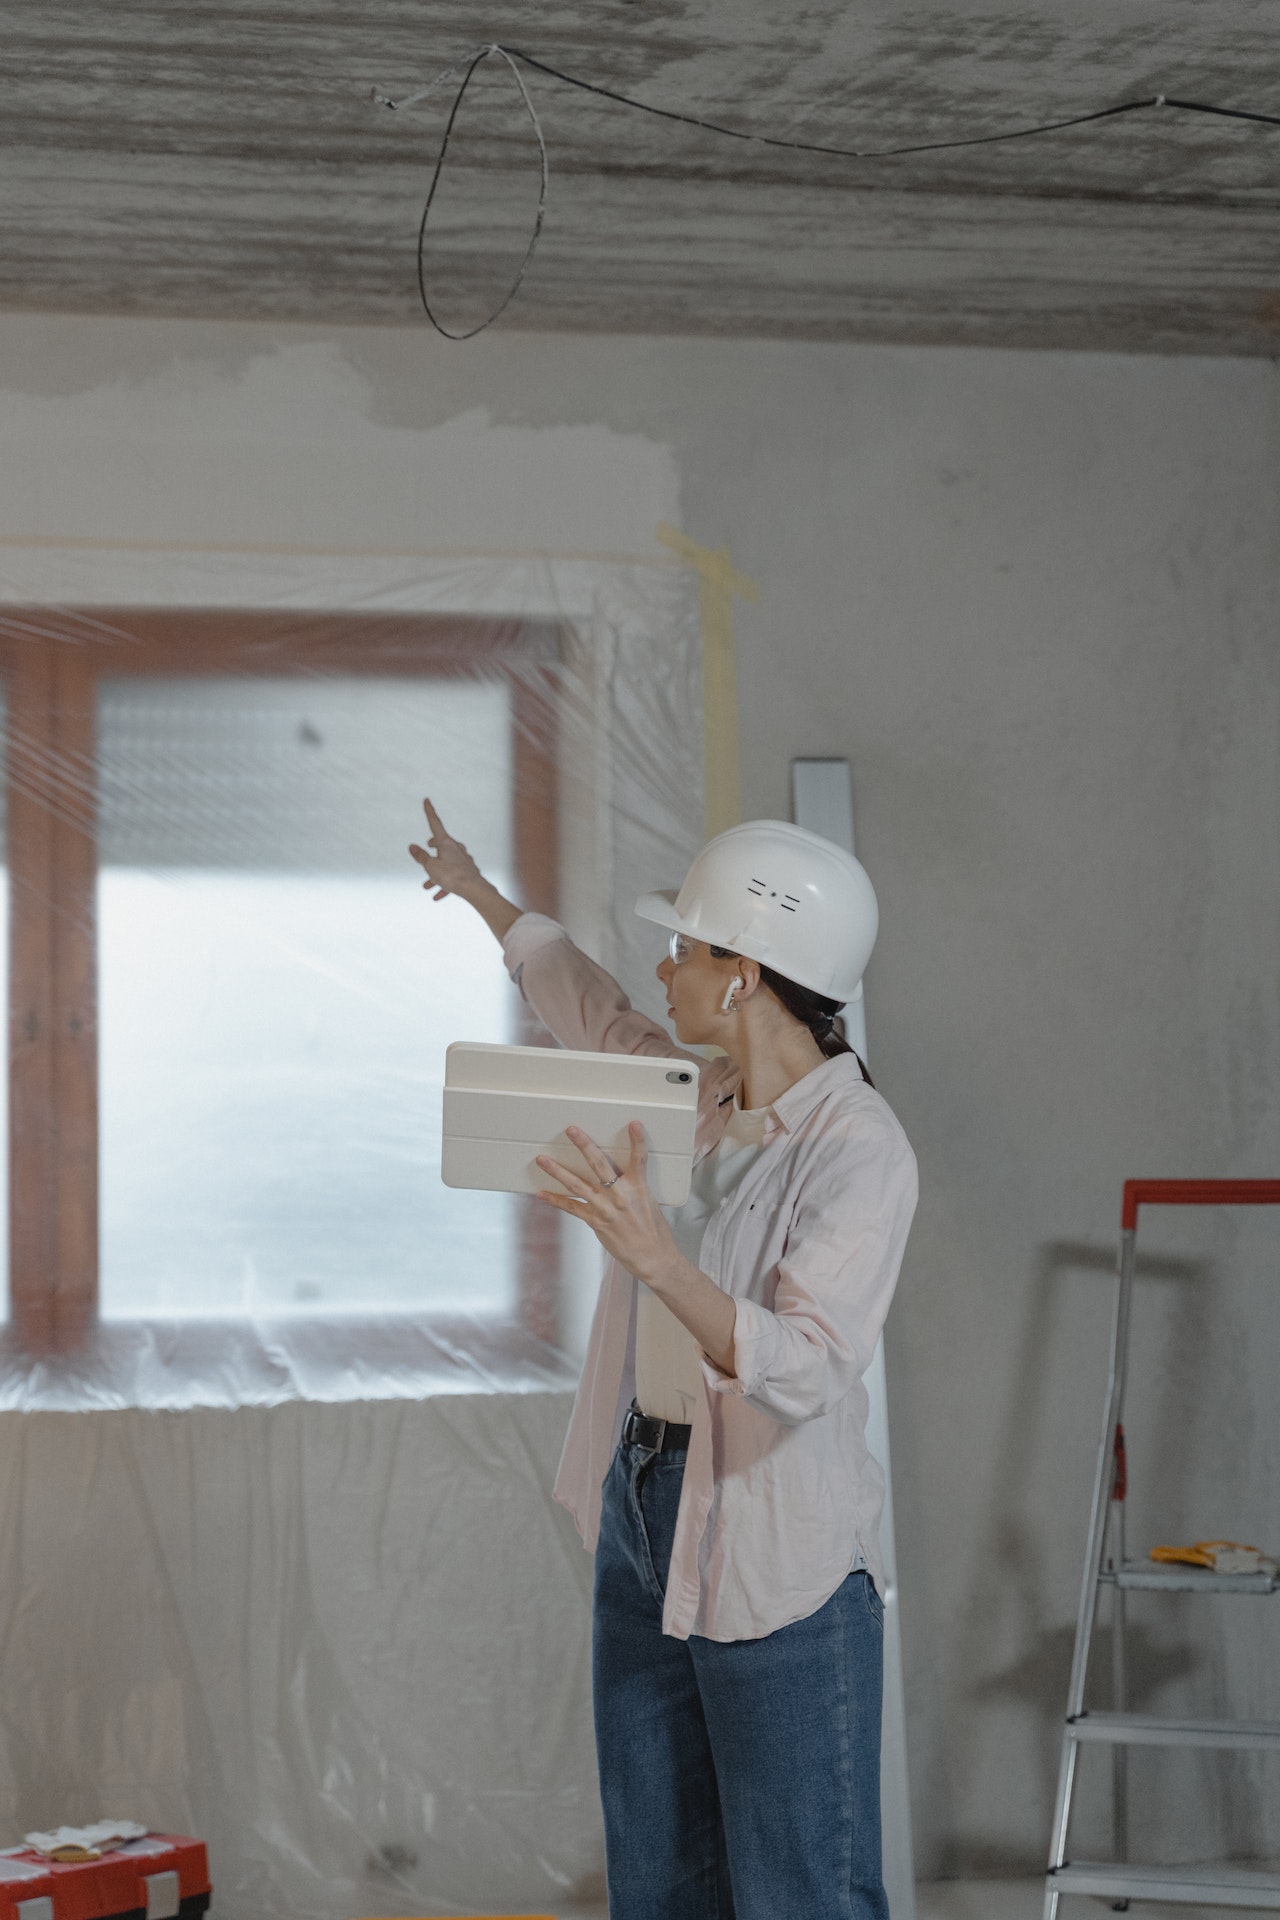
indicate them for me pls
(755, 886)
(789, 903)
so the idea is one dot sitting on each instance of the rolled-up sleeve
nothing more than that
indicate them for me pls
(527, 936)
(798, 1358)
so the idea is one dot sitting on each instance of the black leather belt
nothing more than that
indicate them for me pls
(638, 1430)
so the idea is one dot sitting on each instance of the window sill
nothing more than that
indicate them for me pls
(181, 1364)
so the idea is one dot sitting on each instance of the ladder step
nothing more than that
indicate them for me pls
(1155, 1576)
(1203, 1886)
(1148, 1730)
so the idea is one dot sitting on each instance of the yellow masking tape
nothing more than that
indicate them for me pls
(718, 581)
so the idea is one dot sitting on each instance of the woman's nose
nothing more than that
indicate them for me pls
(664, 969)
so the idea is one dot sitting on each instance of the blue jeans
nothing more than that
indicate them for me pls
(740, 1779)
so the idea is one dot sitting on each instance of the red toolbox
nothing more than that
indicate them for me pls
(163, 1877)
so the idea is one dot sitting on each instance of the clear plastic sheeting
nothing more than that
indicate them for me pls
(347, 1647)
(174, 1364)
(281, 1413)
(232, 1001)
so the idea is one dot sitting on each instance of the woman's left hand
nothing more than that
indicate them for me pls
(617, 1204)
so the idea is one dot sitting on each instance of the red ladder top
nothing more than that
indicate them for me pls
(1195, 1193)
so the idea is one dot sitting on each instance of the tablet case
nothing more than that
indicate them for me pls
(504, 1105)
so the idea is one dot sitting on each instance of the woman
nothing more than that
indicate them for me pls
(716, 1460)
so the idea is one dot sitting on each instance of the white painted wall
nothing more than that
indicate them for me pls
(1031, 597)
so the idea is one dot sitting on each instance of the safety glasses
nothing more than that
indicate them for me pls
(681, 945)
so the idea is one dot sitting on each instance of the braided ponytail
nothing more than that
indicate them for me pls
(815, 1011)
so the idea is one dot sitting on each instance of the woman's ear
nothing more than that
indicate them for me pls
(734, 986)
(748, 977)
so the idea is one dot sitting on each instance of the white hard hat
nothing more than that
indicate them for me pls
(780, 895)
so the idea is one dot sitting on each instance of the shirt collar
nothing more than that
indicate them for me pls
(800, 1099)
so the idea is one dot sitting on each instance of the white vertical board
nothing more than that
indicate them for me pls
(822, 801)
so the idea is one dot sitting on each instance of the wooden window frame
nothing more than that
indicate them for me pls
(52, 662)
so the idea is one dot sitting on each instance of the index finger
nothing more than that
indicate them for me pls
(433, 819)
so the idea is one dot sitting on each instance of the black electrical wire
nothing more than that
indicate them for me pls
(534, 237)
(813, 146)
(1227, 113)
(512, 54)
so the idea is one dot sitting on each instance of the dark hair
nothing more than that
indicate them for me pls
(813, 1010)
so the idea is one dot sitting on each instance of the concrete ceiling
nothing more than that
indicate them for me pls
(226, 159)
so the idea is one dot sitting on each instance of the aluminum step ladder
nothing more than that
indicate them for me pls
(1106, 1565)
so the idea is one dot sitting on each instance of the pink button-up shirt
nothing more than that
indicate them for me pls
(780, 1494)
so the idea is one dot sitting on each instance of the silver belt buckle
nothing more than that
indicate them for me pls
(662, 1434)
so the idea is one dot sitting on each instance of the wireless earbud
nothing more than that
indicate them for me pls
(726, 1005)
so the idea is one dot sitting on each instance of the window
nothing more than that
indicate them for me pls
(229, 999)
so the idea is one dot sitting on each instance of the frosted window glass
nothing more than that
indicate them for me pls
(273, 1040)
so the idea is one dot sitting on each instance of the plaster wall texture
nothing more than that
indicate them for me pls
(1032, 598)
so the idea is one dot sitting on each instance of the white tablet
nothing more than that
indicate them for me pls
(505, 1105)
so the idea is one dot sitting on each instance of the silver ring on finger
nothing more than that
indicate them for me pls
(606, 1184)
